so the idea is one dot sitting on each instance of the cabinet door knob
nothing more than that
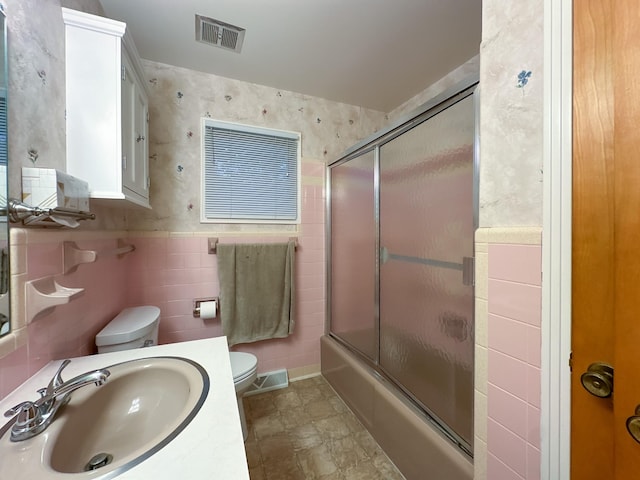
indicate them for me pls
(140, 138)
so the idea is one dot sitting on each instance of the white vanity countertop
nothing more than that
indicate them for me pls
(211, 446)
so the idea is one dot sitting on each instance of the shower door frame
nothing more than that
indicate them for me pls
(465, 88)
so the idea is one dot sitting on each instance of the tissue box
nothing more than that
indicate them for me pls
(49, 188)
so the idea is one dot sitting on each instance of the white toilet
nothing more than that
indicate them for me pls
(244, 367)
(134, 327)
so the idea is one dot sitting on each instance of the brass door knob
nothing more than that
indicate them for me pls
(633, 425)
(598, 379)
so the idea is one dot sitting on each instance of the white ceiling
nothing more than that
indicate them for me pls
(372, 53)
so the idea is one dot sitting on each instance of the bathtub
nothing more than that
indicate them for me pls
(417, 448)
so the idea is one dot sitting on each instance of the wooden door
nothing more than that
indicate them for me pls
(606, 235)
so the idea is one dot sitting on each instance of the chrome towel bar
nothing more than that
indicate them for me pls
(213, 244)
(18, 211)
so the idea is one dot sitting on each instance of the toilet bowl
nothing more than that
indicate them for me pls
(244, 367)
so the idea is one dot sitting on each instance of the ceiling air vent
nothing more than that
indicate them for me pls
(219, 34)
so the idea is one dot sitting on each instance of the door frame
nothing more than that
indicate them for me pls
(555, 412)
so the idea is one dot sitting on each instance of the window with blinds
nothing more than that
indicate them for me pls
(250, 174)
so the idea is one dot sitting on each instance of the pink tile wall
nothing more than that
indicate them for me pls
(68, 330)
(513, 427)
(14, 369)
(168, 272)
(172, 272)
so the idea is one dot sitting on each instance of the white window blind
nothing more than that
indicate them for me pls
(250, 174)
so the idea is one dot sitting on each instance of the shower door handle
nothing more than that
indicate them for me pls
(384, 255)
(468, 268)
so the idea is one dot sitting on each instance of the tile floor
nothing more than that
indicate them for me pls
(306, 432)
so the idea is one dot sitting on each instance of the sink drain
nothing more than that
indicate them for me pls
(98, 461)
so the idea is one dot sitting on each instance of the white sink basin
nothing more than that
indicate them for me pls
(143, 406)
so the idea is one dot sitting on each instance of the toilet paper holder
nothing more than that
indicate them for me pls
(198, 301)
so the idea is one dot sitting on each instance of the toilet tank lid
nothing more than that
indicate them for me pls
(129, 324)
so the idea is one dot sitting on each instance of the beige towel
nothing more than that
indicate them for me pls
(257, 292)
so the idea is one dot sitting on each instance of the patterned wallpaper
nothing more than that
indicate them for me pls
(180, 98)
(511, 116)
(511, 111)
(36, 86)
(37, 134)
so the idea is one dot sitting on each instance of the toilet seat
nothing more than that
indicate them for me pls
(243, 365)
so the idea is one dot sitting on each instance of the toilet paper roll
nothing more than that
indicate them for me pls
(208, 309)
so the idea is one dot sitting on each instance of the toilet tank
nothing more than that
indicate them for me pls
(133, 327)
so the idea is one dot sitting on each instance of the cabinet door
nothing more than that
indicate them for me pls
(128, 92)
(134, 135)
(140, 165)
(93, 102)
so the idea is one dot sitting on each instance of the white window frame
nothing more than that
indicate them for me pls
(208, 122)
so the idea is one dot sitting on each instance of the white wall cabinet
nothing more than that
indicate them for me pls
(135, 121)
(107, 109)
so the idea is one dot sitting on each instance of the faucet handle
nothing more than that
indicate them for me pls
(27, 408)
(56, 381)
(28, 415)
(28, 418)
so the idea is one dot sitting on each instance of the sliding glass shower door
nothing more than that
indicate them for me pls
(402, 215)
(426, 240)
(353, 250)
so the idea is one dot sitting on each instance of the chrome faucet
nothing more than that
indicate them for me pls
(32, 418)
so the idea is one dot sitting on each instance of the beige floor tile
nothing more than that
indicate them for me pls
(267, 426)
(317, 462)
(260, 405)
(305, 437)
(365, 471)
(306, 432)
(319, 409)
(283, 469)
(257, 473)
(253, 454)
(333, 427)
(368, 444)
(347, 453)
(338, 405)
(295, 417)
(309, 393)
(386, 468)
(287, 401)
